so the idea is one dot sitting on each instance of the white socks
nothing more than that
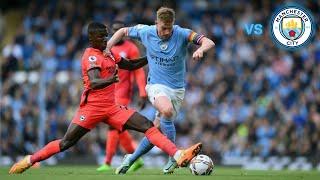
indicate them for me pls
(176, 155)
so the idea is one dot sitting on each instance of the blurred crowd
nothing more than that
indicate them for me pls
(245, 98)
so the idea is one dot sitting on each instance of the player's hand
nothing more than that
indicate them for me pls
(198, 54)
(142, 102)
(115, 77)
(107, 52)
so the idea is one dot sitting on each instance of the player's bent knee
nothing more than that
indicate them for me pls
(167, 112)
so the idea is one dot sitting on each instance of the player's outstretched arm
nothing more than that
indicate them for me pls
(116, 37)
(206, 44)
(132, 64)
(98, 83)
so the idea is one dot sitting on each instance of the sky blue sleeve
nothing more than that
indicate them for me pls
(137, 31)
(190, 36)
(185, 33)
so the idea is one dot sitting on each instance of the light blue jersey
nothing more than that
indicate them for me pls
(166, 58)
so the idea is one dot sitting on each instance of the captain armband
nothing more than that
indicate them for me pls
(195, 37)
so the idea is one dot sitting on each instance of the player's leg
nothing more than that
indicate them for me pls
(127, 142)
(162, 99)
(129, 145)
(139, 123)
(166, 102)
(73, 134)
(125, 139)
(167, 123)
(144, 145)
(71, 137)
(112, 140)
(114, 137)
(164, 105)
(159, 96)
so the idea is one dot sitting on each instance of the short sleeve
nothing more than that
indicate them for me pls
(92, 61)
(136, 31)
(191, 36)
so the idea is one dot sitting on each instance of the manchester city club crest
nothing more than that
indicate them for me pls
(163, 46)
(292, 27)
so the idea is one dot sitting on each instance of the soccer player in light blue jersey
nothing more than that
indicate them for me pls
(166, 50)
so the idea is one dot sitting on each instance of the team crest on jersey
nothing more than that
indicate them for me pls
(292, 27)
(164, 46)
(92, 58)
(82, 118)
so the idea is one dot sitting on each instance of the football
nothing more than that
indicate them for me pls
(201, 165)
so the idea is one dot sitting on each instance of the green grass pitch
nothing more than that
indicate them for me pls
(89, 172)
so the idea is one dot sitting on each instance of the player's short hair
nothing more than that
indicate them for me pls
(96, 27)
(166, 14)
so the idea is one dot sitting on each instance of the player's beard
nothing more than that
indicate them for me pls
(166, 37)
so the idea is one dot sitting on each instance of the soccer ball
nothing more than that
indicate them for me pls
(201, 165)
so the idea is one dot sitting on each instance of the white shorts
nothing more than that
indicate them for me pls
(176, 96)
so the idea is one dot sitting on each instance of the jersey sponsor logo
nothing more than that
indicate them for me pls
(92, 58)
(165, 62)
(82, 118)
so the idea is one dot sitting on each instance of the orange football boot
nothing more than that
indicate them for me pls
(188, 154)
(21, 166)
